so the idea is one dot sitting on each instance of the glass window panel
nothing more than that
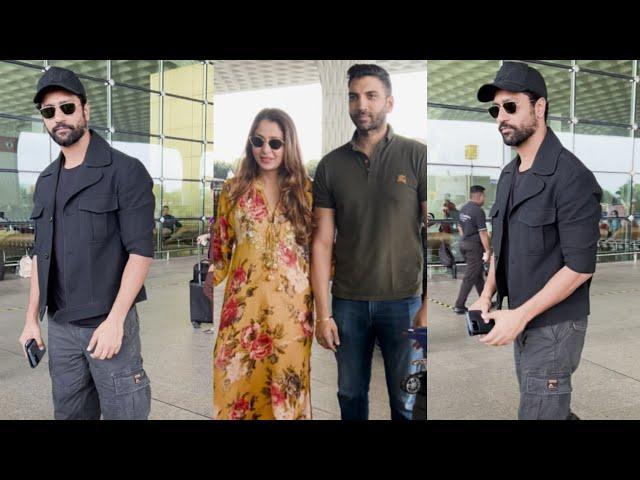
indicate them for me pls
(208, 158)
(209, 127)
(447, 192)
(456, 82)
(183, 239)
(603, 98)
(210, 82)
(17, 88)
(16, 205)
(90, 68)
(183, 198)
(25, 145)
(558, 81)
(184, 78)
(488, 178)
(97, 99)
(146, 149)
(622, 67)
(615, 228)
(208, 199)
(183, 118)
(463, 138)
(141, 73)
(135, 111)
(604, 148)
(182, 159)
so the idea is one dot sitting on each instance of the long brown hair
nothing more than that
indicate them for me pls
(292, 175)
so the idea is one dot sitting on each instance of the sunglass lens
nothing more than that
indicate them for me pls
(275, 144)
(510, 107)
(494, 111)
(68, 108)
(256, 141)
(48, 112)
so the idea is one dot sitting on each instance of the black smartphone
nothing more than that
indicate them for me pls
(476, 324)
(34, 354)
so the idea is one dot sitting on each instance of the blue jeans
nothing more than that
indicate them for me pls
(359, 324)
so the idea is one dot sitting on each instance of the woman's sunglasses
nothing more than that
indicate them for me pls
(509, 107)
(49, 112)
(274, 143)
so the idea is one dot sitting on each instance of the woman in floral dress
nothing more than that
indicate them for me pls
(261, 243)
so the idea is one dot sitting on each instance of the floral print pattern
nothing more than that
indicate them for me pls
(261, 358)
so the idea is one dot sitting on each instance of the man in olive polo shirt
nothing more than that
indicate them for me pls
(372, 191)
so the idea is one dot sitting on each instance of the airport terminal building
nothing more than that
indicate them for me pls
(594, 108)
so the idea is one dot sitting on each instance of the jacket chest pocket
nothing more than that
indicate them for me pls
(37, 215)
(100, 212)
(537, 229)
(495, 220)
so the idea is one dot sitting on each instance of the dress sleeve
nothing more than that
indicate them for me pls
(223, 238)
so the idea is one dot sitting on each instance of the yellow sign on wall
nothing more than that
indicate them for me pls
(471, 152)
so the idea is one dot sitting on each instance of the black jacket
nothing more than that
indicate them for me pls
(553, 223)
(108, 215)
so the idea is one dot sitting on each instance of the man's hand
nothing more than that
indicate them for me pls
(420, 321)
(107, 339)
(509, 324)
(327, 334)
(485, 257)
(483, 304)
(203, 239)
(31, 330)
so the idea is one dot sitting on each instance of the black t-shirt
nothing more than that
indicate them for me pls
(516, 183)
(57, 298)
(58, 294)
(472, 220)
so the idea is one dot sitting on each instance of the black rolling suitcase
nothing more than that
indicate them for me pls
(200, 307)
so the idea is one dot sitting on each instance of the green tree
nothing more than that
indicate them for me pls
(312, 165)
(221, 169)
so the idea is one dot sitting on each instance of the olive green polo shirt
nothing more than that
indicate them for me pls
(378, 250)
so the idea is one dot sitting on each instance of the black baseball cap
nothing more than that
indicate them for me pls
(514, 77)
(61, 78)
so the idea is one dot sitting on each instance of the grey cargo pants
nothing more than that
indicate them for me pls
(546, 357)
(84, 388)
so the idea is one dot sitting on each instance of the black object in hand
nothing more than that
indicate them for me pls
(34, 354)
(476, 324)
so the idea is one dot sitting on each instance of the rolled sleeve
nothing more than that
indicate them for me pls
(322, 195)
(136, 208)
(578, 219)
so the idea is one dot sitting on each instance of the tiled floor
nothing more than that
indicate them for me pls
(177, 357)
(468, 380)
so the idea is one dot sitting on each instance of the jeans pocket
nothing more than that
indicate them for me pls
(580, 325)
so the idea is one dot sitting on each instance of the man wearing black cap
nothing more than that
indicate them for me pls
(93, 213)
(545, 233)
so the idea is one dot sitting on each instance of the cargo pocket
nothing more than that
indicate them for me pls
(548, 383)
(534, 224)
(133, 395)
(100, 212)
(546, 396)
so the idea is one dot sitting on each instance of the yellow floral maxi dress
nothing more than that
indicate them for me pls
(261, 357)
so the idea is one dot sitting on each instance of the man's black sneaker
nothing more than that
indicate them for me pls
(460, 311)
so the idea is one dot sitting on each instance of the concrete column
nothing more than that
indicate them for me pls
(337, 127)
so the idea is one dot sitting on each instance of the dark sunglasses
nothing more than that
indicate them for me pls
(274, 143)
(509, 107)
(49, 112)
